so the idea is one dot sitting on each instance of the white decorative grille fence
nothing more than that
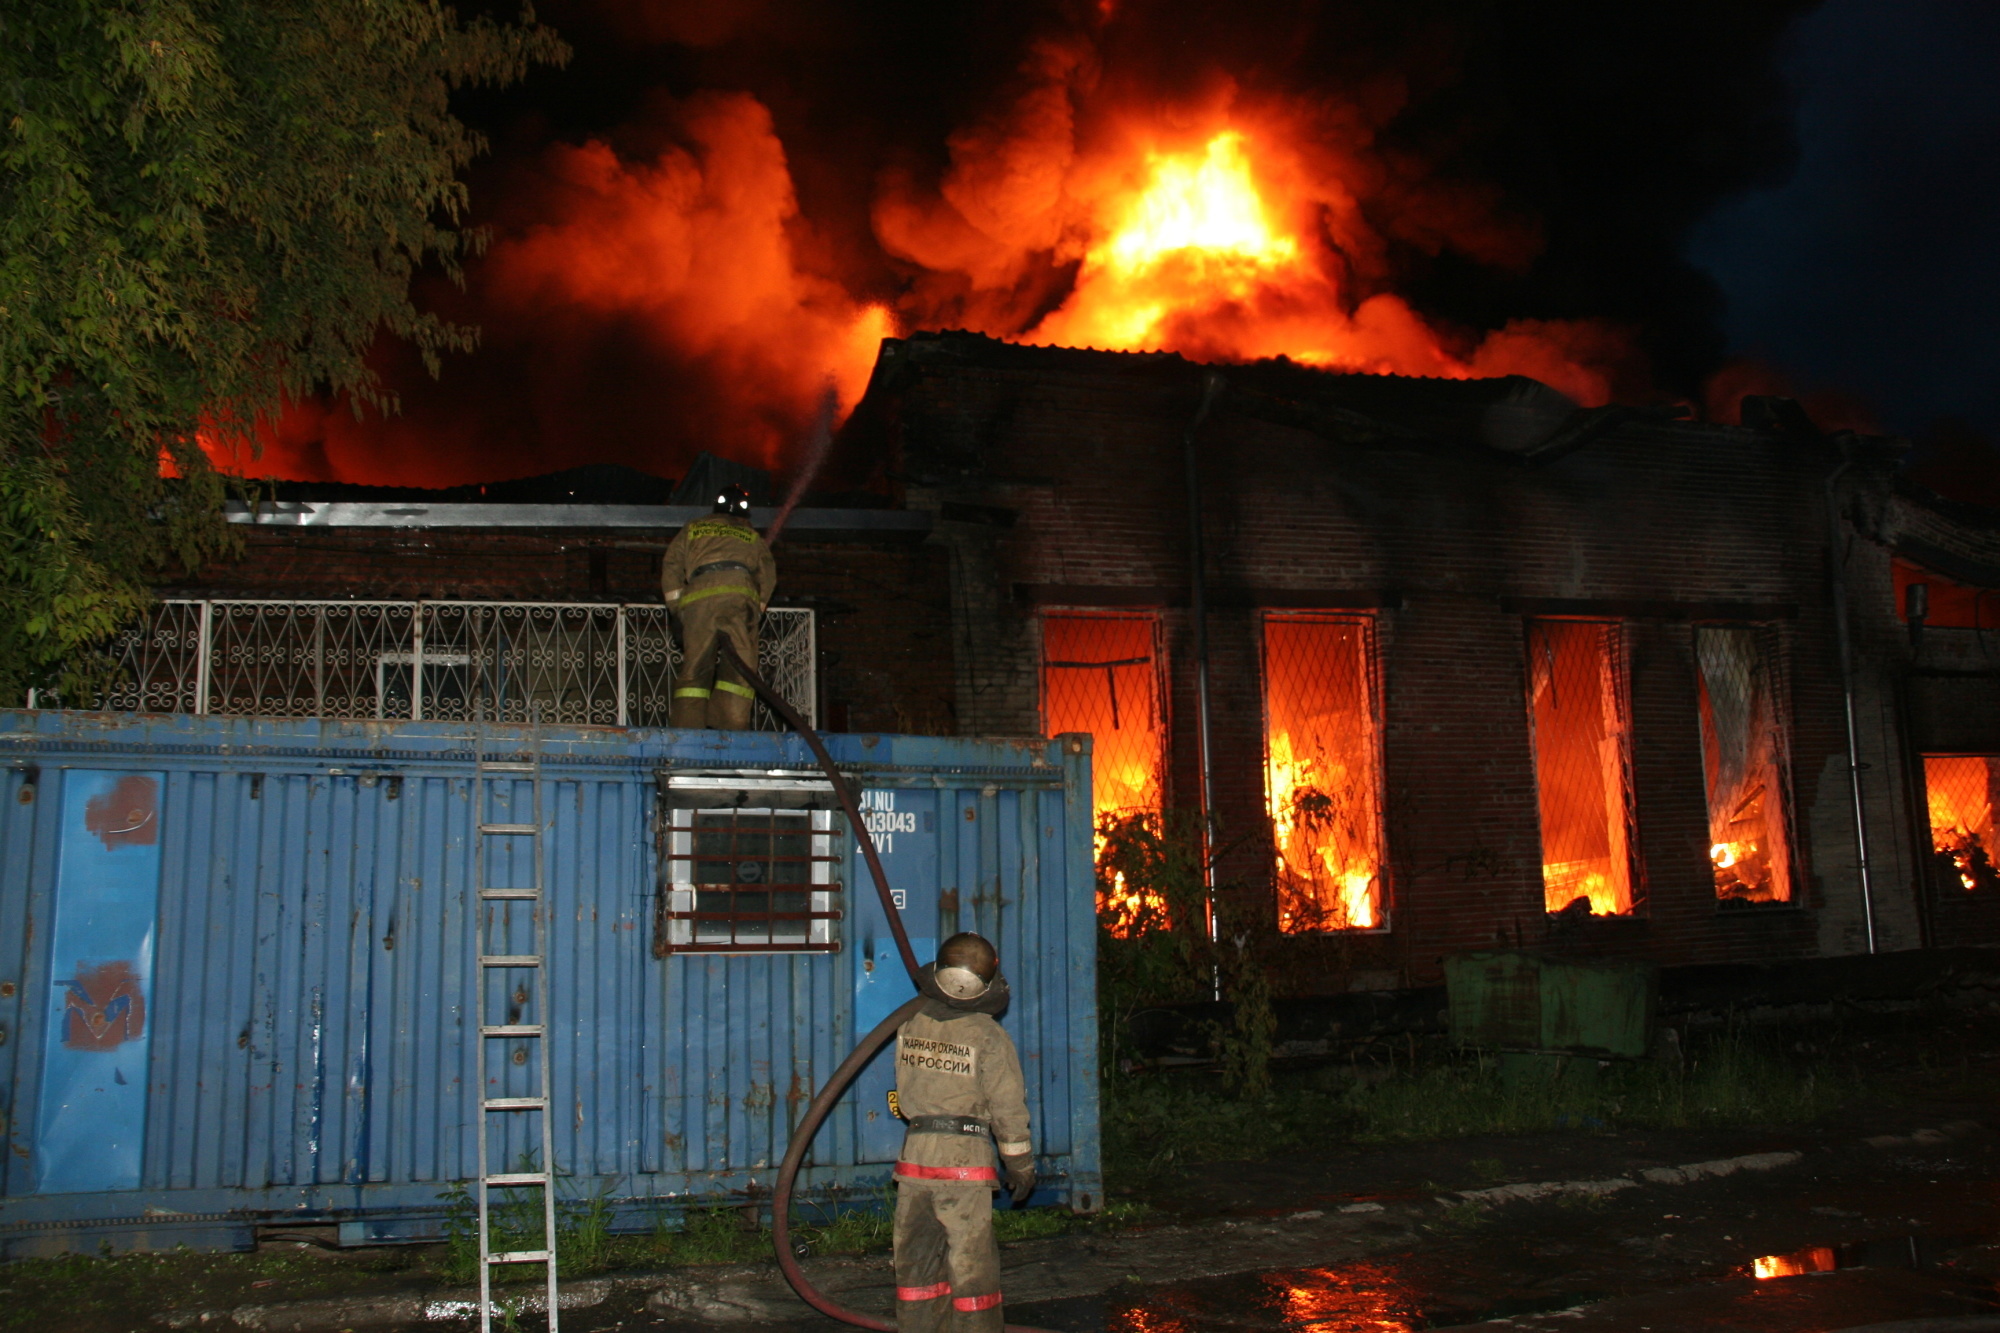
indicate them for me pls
(596, 663)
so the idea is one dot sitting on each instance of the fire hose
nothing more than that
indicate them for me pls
(844, 1075)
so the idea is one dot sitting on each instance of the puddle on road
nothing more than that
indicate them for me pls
(1379, 1297)
(1917, 1253)
(1349, 1298)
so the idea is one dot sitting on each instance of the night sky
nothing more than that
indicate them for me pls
(1872, 269)
(1760, 195)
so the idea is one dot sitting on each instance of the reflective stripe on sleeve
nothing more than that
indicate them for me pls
(929, 1293)
(972, 1303)
(731, 687)
(1021, 1149)
(911, 1171)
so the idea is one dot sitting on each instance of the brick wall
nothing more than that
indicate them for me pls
(883, 609)
(1656, 524)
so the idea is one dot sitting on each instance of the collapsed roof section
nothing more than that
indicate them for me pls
(1511, 415)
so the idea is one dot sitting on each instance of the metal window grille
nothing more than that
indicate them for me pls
(1323, 771)
(587, 663)
(1577, 707)
(1746, 758)
(1961, 791)
(1102, 674)
(749, 880)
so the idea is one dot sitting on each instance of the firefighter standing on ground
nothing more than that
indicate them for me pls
(958, 1083)
(717, 577)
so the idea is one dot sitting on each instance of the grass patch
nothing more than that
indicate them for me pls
(83, 1291)
(1729, 1078)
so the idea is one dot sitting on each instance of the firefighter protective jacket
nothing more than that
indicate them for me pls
(952, 1059)
(719, 539)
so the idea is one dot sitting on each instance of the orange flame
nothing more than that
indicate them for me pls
(1322, 773)
(1582, 784)
(1959, 792)
(664, 289)
(1819, 1259)
(1098, 677)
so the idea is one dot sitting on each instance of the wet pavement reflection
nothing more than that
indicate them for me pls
(1887, 1277)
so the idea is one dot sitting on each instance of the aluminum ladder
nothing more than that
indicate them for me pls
(498, 1008)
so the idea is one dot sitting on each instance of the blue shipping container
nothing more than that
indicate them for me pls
(236, 966)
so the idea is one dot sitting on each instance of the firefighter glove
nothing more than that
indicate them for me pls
(1020, 1176)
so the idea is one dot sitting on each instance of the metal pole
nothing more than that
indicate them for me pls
(1837, 577)
(417, 664)
(206, 641)
(1198, 608)
(623, 720)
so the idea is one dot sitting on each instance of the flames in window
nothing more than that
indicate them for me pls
(1744, 755)
(1799, 1263)
(1322, 748)
(1101, 675)
(1960, 793)
(1576, 693)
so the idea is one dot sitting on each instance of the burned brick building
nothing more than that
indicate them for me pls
(1481, 666)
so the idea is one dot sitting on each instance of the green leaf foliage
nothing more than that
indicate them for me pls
(206, 207)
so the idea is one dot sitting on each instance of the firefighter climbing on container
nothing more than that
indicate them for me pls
(717, 578)
(958, 1083)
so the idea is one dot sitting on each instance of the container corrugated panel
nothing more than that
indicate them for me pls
(284, 1032)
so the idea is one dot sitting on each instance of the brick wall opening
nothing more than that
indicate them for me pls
(1960, 791)
(1102, 674)
(1583, 770)
(1746, 757)
(1323, 771)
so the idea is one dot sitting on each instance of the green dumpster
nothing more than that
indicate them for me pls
(1517, 1001)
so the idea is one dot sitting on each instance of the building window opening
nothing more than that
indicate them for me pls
(1960, 790)
(1323, 771)
(1101, 674)
(1577, 704)
(748, 881)
(1746, 758)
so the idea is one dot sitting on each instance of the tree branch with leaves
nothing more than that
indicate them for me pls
(207, 207)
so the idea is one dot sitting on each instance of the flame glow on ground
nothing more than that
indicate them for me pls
(1959, 791)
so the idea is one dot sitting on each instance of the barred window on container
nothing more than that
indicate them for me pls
(1746, 757)
(1323, 771)
(749, 881)
(1960, 790)
(1577, 706)
(1102, 674)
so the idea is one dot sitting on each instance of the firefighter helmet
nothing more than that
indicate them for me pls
(966, 966)
(733, 499)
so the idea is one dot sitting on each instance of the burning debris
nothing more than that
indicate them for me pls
(1101, 675)
(1745, 758)
(1960, 795)
(1322, 742)
(1576, 677)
